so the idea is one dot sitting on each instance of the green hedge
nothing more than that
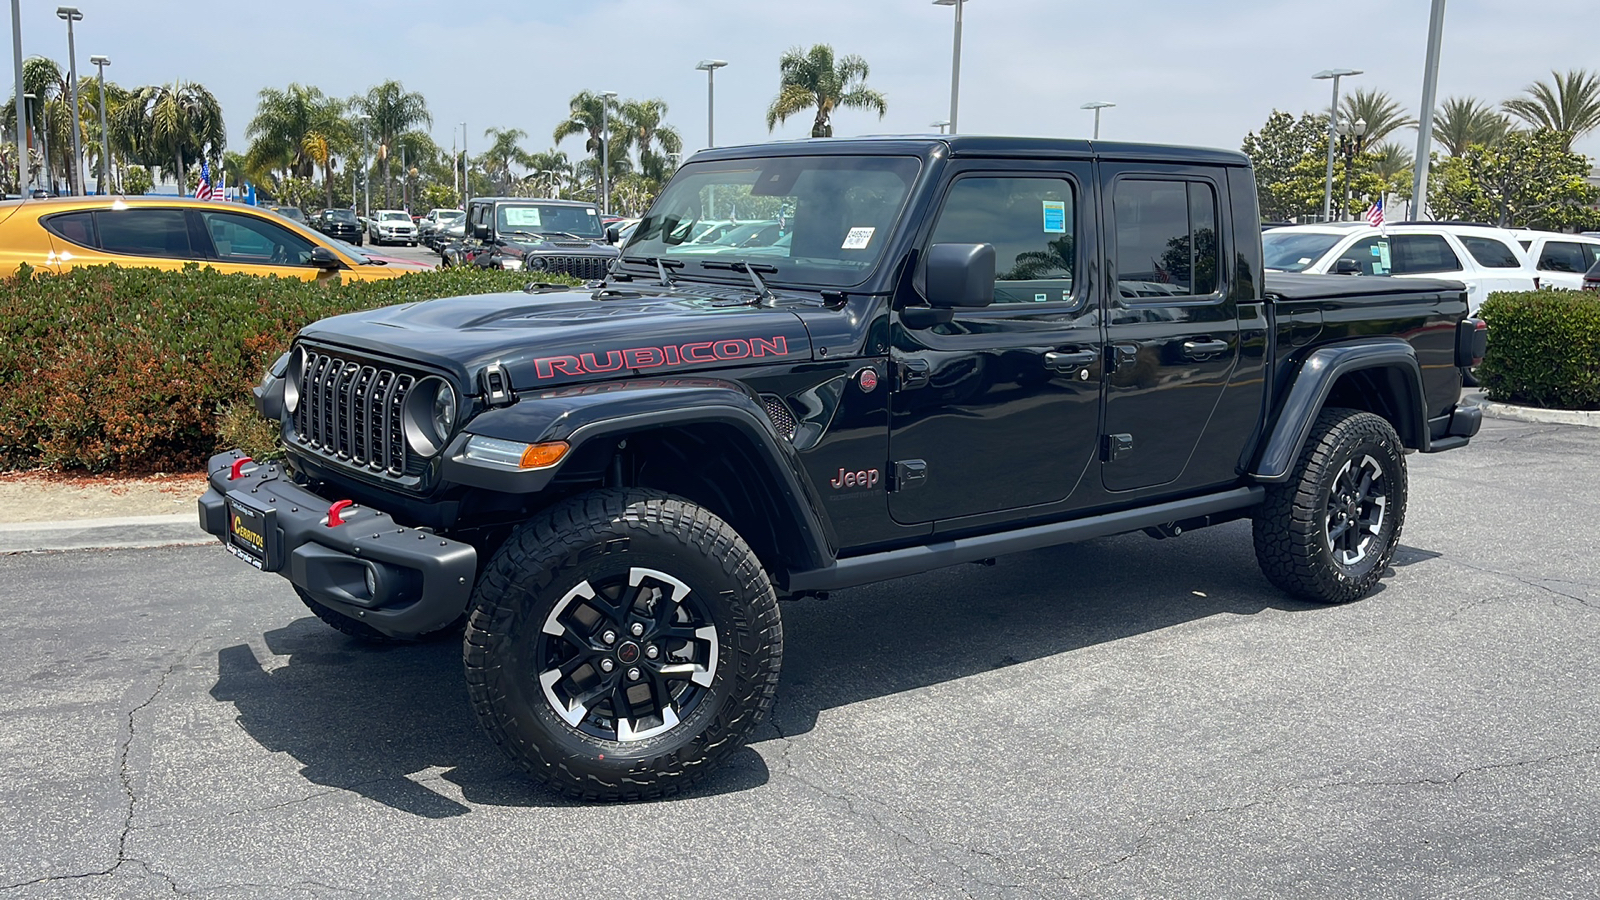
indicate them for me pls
(129, 370)
(1544, 349)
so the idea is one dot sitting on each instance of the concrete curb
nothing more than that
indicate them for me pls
(181, 529)
(1496, 410)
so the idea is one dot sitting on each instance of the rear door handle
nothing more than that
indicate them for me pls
(1192, 349)
(1066, 361)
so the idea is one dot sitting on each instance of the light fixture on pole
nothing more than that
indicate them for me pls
(710, 67)
(100, 63)
(1350, 129)
(955, 61)
(942, 124)
(1097, 105)
(1333, 121)
(16, 59)
(605, 150)
(75, 175)
(1430, 87)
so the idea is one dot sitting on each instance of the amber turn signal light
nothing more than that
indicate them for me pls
(539, 456)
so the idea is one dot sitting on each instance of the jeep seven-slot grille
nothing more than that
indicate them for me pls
(351, 411)
(588, 268)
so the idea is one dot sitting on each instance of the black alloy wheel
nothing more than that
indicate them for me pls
(1357, 509)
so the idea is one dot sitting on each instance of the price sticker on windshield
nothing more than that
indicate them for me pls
(857, 239)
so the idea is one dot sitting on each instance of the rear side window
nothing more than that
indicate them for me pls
(1490, 253)
(77, 227)
(1166, 238)
(144, 232)
(1563, 256)
(1421, 254)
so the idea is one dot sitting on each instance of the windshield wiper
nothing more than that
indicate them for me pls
(576, 237)
(764, 296)
(662, 265)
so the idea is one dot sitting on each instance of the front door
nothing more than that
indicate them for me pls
(1172, 331)
(998, 409)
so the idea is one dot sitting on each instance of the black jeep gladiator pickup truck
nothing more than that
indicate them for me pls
(958, 347)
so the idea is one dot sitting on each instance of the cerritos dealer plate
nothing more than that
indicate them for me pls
(247, 532)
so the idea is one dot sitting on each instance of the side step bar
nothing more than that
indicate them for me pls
(872, 567)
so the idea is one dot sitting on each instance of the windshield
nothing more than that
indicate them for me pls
(815, 219)
(340, 215)
(393, 217)
(1294, 251)
(538, 218)
(449, 215)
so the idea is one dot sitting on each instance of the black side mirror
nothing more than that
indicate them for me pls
(1347, 267)
(613, 234)
(323, 258)
(960, 276)
(480, 230)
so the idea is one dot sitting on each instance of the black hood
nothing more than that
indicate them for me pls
(569, 337)
(554, 244)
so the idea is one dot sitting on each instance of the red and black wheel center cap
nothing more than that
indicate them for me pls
(628, 653)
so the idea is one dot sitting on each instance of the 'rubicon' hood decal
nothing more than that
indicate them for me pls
(545, 340)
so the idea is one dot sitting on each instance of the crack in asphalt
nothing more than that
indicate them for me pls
(1476, 770)
(1542, 584)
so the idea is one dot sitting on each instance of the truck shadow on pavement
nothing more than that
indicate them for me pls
(393, 724)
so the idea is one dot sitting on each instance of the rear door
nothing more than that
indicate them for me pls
(1172, 328)
(1561, 263)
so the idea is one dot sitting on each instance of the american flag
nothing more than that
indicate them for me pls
(1375, 214)
(203, 190)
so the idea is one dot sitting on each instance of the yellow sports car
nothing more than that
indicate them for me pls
(170, 232)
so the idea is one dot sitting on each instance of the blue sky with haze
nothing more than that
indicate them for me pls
(1179, 71)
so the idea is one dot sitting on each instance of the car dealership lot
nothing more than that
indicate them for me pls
(1122, 717)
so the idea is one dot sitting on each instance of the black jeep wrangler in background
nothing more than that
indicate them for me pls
(561, 237)
(959, 347)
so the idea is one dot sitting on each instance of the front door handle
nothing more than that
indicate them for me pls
(1067, 361)
(1192, 349)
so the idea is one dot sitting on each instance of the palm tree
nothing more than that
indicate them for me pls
(47, 113)
(585, 117)
(1570, 105)
(1381, 113)
(173, 123)
(547, 170)
(93, 147)
(393, 111)
(1461, 122)
(504, 151)
(296, 130)
(815, 79)
(644, 121)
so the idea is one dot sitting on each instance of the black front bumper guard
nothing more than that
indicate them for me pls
(403, 582)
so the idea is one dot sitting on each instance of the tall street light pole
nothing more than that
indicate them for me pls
(605, 150)
(941, 125)
(1097, 105)
(1333, 121)
(16, 58)
(366, 180)
(75, 181)
(710, 67)
(955, 62)
(1430, 86)
(466, 169)
(100, 63)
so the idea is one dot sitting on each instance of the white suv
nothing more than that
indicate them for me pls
(1484, 259)
(392, 226)
(1561, 259)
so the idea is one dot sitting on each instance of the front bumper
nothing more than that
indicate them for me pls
(403, 582)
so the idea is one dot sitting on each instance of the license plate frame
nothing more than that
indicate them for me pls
(253, 533)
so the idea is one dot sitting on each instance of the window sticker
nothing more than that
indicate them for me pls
(857, 239)
(517, 216)
(1383, 255)
(590, 212)
(1041, 298)
(1055, 216)
(1305, 261)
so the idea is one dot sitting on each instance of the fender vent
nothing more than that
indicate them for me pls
(780, 414)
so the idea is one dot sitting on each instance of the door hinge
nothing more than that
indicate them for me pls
(908, 474)
(912, 373)
(1116, 446)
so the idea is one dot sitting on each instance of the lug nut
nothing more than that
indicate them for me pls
(607, 665)
(637, 629)
(609, 637)
(652, 652)
(633, 674)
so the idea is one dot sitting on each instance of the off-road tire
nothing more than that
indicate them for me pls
(1293, 526)
(590, 541)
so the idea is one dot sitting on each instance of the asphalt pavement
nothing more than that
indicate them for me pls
(1123, 717)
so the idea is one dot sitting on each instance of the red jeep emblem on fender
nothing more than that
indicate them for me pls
(863, 478)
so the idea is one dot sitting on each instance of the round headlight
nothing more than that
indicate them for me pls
(291, 380)
(430, 415)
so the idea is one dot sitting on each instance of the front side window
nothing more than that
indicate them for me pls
(1032, 223)
(144, 232)
(819, 220)
(252, 241)
(1166, 238)
(1490, 253)
(1562, 256)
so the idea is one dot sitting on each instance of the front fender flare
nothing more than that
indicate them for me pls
(1314, 382)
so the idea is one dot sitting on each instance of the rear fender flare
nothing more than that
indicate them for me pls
(1314, 383)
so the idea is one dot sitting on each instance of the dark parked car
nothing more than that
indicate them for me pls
(339, 223)
(290, 212)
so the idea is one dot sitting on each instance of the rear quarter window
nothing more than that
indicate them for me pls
(1490, 253)
(76, 227)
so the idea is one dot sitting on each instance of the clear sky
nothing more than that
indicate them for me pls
(1181, 71)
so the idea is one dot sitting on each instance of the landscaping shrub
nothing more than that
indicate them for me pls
(1544, 349)
(132, 369)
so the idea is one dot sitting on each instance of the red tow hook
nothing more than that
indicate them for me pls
(335, 509)
(233, 473)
